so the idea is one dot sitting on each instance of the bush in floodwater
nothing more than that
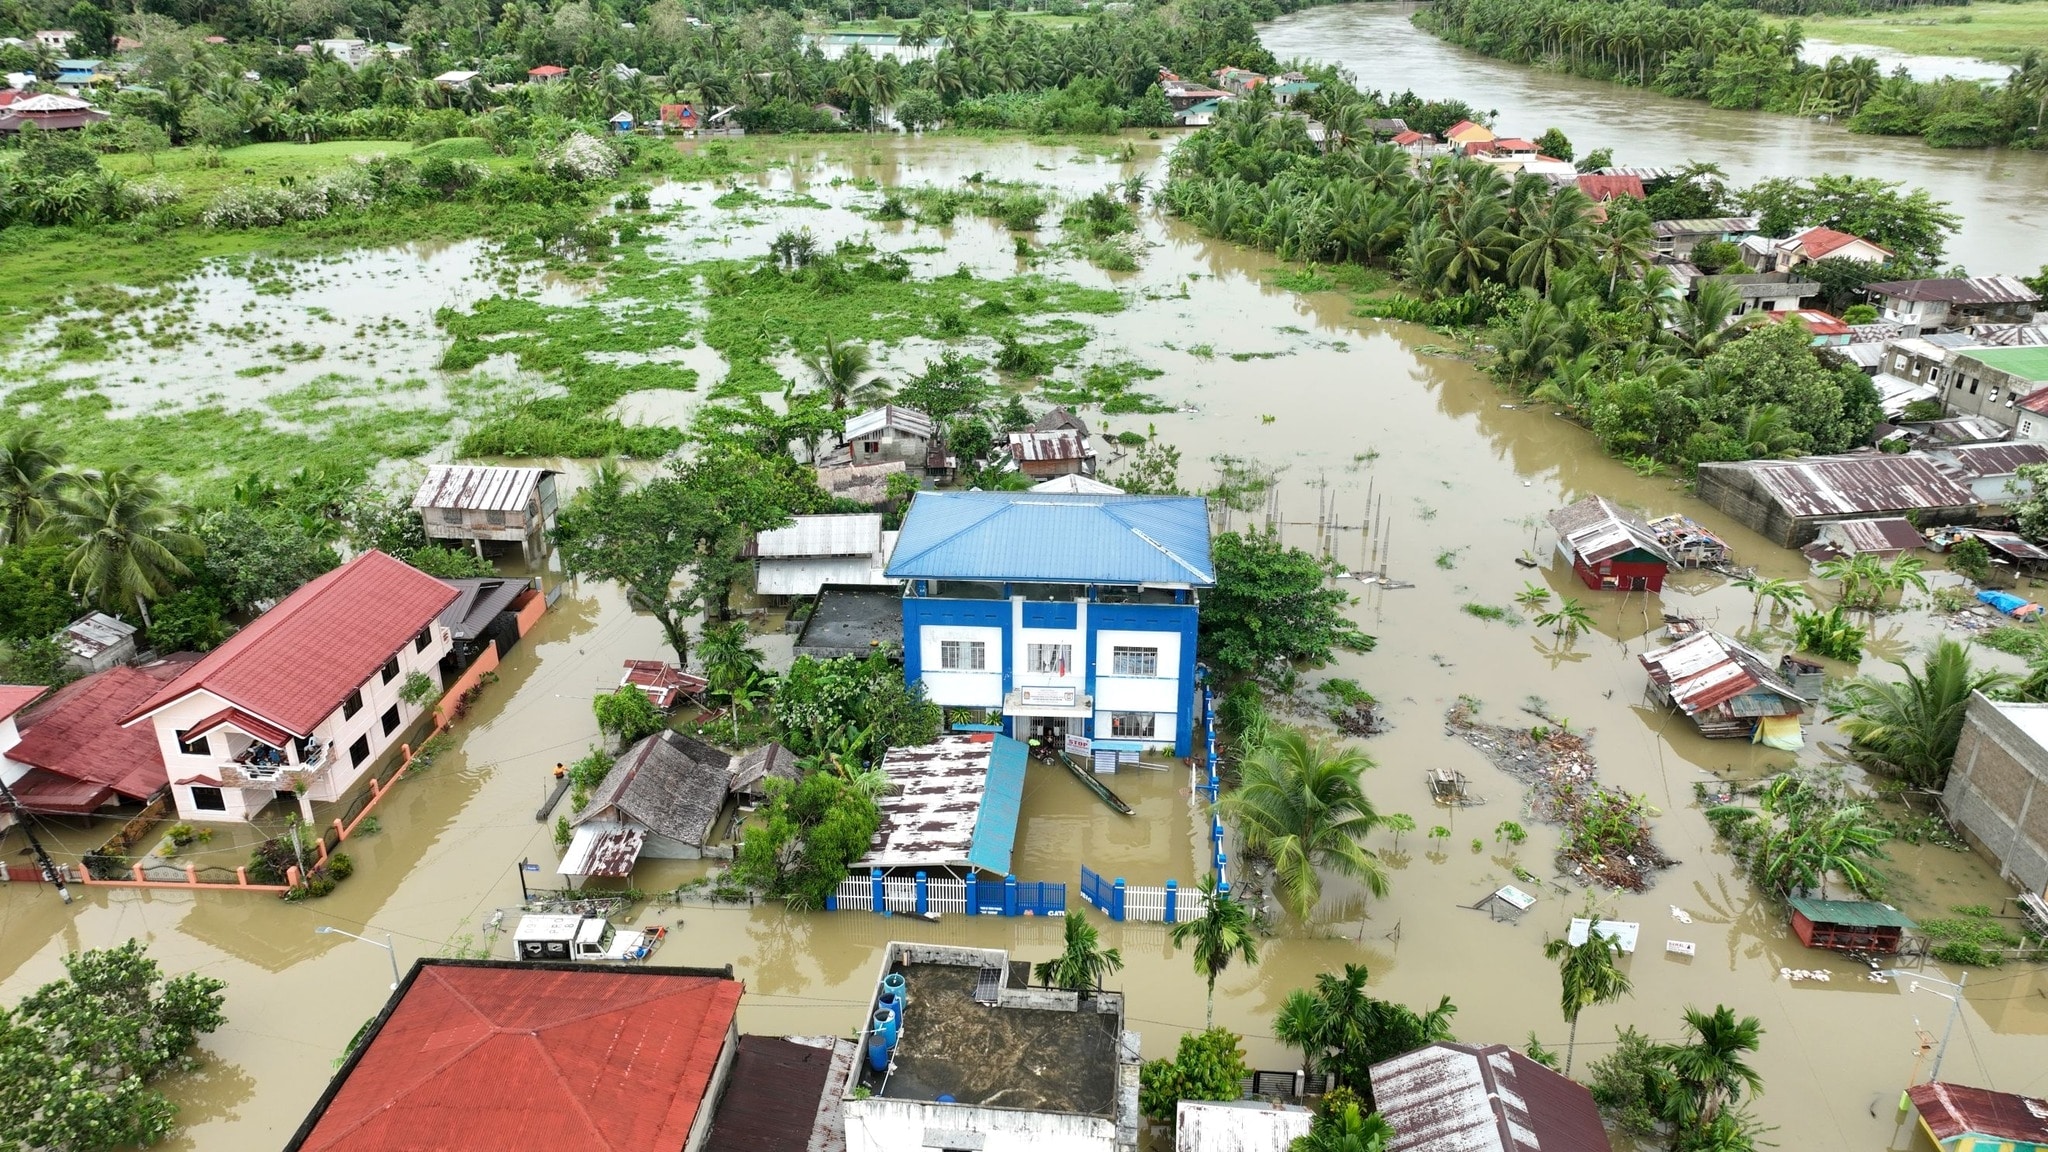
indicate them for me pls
(581, 157)
(1829, 634)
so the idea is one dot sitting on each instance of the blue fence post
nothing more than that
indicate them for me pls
(974, 895)
(1222, 874)
(924, 895)
(1116, 900)
(875, 889)
(1172, 900)
(1009, 895)
(832, 903)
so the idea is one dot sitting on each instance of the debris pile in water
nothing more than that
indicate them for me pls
(1607, 831)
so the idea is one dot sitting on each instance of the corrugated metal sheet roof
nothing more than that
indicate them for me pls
(603, 850)
(1050, 538)
(853, 534)
(1953, 1110)
(1238, 1126)
(1055, 444)
(954, 803)
(1707, 669)
(906, 420)
(1002, 802)
(1074, 482)
(1884, 534)
(2011, 543)
(1705, 226)
(1594, 529)
(1855, 913)
(1976, 461)
(1954, 290)
(1451, 1097)
(478, 487)
(1847, 485)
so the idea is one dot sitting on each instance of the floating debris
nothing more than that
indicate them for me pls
(1451, 789)
(1797, 974)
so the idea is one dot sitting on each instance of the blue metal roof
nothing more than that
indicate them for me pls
(995, 828)
(1055, 538)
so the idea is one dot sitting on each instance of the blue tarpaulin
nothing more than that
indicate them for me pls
(2009, 604)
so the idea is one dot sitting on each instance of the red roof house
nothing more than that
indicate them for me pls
(1514, 146)
(545, 73)
(682, 116)
(1957, 1116)
(73, 755)
(1605, 188)
(534, 1057)
(311, 681)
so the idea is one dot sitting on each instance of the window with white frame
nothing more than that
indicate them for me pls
(963, 655)
(1052, 659)
(1132, 725)
(1133, 661)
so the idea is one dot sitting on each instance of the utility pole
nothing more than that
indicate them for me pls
(50, 870)
(1955, 1006)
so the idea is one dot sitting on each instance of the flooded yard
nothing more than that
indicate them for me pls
(1367, 415)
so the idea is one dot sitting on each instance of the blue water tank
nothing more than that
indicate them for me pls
(886, 1024)
(893, 985)
(878, 1052)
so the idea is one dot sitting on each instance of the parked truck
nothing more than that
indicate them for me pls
(542, 936)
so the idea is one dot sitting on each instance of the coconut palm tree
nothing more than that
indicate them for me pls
(841, 372)
(31, 476)
(1553, 238)
(1703, 321)
(1221, 934)
(128, 545)
(1912, 725)
(1586, 976)
(1780, 592)
(1568, 620)
(1347, 1130)
(1708, 1069)
(1084, 963)
(1299, 804)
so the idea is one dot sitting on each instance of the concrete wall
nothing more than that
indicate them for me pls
(881, 1125)
(1998, 792)
(1973, 388)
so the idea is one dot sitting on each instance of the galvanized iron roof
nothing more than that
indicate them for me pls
(1879, 534)
(1050, 538)
(1451, 1097)
(1954, 290)
(853, 534)
(1848, 485)
(478, 487)
(1074, 482)
(1855, 913)
(1976, 461)
(953, 803)
(1707, 669)
(1595, 529)
(1055, 444)
(604, 849)
(1707, 226)
(1954, 1110)
(906, 420)
(2011, 543)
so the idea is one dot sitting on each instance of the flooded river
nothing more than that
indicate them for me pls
(1338, 404)
(1997, 192)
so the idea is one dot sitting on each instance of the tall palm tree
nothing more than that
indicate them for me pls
(128, 544)
(1586, 976)
(1913, 725)
(1084, 963)
(1299, 803)
(1708, 1068)
(1347, 1130)
(841, 372)
(1702, 322)
(1221, 934)
(31, 476)
(1553, 238)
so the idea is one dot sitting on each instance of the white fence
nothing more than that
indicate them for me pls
(899, 894)
(947, 896)
(856, 896)
(1148, 904)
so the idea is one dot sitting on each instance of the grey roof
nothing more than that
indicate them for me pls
(854, 534)
(668, 783)
(1451, 1097)
(478, 487)
(1975, 461)
(757, 765)
(477, 603)
(1761, 285)
(1076, 484)
(1705, 226)
(1854, 484)
(853, 620)
(94, 633)
(1594, 529)
(906, 420)
(1955, 290)
(1057, 419)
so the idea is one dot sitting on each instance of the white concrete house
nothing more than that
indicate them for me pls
(305, 700)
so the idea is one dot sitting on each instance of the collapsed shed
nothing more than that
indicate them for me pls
(661, 799)
(1728, 689)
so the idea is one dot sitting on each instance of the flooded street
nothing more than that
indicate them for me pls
(1336, 403)
(1996, 191)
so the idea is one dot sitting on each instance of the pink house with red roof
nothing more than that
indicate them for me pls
(1809, 244)
(302, 702)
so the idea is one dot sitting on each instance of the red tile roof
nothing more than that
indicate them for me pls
(76, 732)
(547, 70)
(1513, 144)
(1951, 1110)
(1815, 243)
(275, 737)
(15, 697)
(297, 662)
(541, 1057)
(1602, 188)
(1411, 136)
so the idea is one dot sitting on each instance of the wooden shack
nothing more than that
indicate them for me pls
(1727, 688)
(477, 503)
(1610, 548)
(1849, 925)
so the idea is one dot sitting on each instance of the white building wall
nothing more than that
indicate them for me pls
(960, 688)
(1159, 695)
(1075, 638)
(877, 1124)
(9, 737)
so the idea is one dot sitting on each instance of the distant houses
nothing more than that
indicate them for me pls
(1932, 305)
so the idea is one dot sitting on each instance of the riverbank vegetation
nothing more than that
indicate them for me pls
(1733, 58)
(2003, 31)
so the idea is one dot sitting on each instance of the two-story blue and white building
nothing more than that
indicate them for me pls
(1065, 613)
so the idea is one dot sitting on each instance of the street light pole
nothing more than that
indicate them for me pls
(1955, 1006)
(390, 948)
(51, 872)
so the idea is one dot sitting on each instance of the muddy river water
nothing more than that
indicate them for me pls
(1342, 406)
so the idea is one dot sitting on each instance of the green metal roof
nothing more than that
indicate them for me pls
(2026, 363)
(1854, 913)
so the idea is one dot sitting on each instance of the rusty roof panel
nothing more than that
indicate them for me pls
(1882, 535)
(1058, 444)
(478, 488)
(1595, 529)
(1706, 669)
(1975, 461)
(1850, 485)
(1453, 1097)
(603, 850)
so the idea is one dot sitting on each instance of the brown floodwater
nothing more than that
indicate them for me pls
(1343, 407)
(1997, 192)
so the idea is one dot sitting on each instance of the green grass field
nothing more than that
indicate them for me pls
(1988, 31)
(264, 163)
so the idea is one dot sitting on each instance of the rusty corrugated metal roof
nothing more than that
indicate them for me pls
(478, 487)
(1952, 1110)
(1975, 461)
(1451, 1097)
(1848, 485)
(1883, 534)
(1707, 669)
(1595, 529)
(1958, 290)
(1056, 444)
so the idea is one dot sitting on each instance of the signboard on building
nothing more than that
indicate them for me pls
(1080, 746)
(1048, 697)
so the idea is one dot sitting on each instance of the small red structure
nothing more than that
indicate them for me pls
(682, 116)
(665, 684)
(1610, 548)
(545, 73)
(1849, 925)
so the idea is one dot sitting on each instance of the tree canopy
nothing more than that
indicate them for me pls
(1272, 605)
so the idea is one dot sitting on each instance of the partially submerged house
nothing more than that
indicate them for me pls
(889, 433)
(475, 503)
(1954, 302)
(1997, 791)
(1962, 1118)
(1065, 613)
(484, 615)
(304, 700)
(1728, 689)
(1849, 925)
(1691, 543)
(661, 800)
(1881, 537)
(752, 769)
(65, 753)
(96, 642)
(952, 806)
(1787, 501)
(1483, 1097)
(1990, 471)
(1059, 452)
(982, 1060)
(540, 1056)
(813, 551)
(1609, 547)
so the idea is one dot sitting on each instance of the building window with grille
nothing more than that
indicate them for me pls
(1134, 661)
(359, 752)
(1132, 725)
(206, 799)
(963, 655)
(352, 705)
(1052, 659)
